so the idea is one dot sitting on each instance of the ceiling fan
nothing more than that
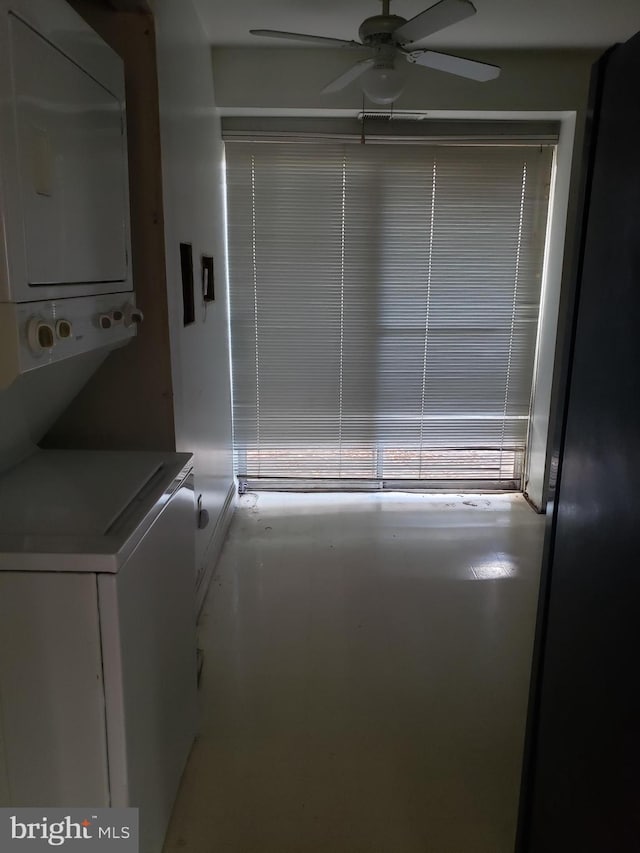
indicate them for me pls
(390, 38)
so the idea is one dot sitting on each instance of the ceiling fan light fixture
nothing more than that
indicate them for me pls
(384, 83)
(392, 39)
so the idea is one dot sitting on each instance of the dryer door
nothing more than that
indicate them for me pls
(72, 173)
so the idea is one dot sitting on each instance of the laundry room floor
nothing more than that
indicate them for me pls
(366, 668)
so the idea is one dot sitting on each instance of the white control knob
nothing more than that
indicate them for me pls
(105, 321)
(64, 329)
(132, 315)
(40, 335)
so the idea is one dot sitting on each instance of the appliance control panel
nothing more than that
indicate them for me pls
(35, 334)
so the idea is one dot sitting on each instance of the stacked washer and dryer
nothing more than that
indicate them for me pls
(97, 609)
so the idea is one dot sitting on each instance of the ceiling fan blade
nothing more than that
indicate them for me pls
(435, 18)
(469, 68)
(327, 42)
(349, 76)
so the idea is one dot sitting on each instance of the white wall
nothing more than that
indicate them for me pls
(253, 79)
(536, 477)
(192, 173)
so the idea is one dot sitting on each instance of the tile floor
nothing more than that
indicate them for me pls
(365, 678)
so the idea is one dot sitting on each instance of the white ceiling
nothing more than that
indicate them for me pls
(498, 24)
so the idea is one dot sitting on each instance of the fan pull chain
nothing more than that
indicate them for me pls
(363, 138)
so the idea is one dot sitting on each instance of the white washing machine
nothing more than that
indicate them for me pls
(97, 632)
(97, 599)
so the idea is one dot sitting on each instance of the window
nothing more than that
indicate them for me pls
(384, 309)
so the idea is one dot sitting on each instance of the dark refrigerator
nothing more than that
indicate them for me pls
(581, 779)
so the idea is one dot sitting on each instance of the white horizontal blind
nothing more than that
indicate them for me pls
(384, 309)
